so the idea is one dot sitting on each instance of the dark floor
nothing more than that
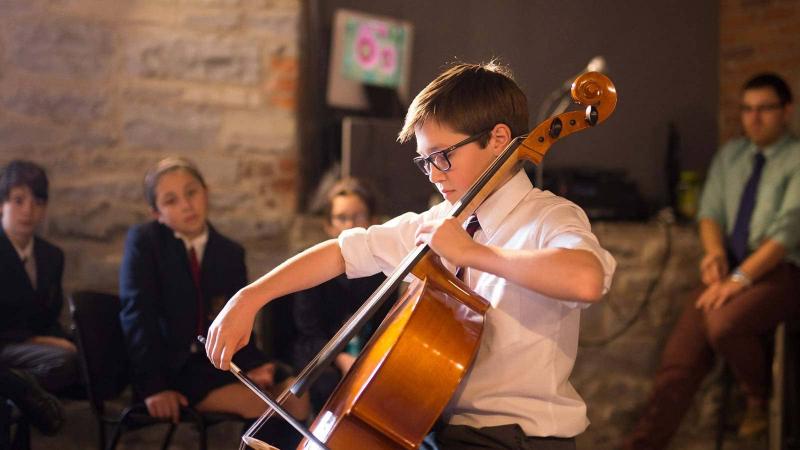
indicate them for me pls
(80, 433)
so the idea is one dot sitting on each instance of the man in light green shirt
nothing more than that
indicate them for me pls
(749, 220)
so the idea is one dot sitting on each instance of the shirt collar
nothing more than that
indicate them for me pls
(198, 243)
(26, 252)
(770, 150)
(501, 202)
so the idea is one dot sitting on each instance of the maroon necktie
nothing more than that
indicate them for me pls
(194, 266)
(472, 227)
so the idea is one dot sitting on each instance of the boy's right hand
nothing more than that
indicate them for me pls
(713, 268)
(230, 331)
(166, 405)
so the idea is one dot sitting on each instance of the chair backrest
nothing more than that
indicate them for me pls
(101, 345)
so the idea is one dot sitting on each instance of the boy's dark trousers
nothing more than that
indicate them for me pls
(504, 437)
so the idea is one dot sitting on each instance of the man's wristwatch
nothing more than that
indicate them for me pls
(740, 277)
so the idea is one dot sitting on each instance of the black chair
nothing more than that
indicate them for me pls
(105, 372)
(784, 403)
(784, 430)
(15, 433)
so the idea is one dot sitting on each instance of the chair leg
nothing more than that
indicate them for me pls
(201, 430)
(101, 433)
(22, 436)
(5, 425)
(168, 437)
(722, 417)
(118, 428)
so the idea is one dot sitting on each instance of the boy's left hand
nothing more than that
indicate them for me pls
(448, 239)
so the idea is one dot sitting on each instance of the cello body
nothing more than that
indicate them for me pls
(409, 370)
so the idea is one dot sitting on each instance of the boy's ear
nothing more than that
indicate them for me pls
(155, 215)
(499, 138)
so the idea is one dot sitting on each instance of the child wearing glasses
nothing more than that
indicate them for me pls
(319, 312)
(534, 258)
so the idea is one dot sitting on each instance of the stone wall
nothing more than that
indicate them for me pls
(756, 36)
(98, 90)
(622, 337)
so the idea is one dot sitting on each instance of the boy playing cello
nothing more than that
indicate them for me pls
(533, 258)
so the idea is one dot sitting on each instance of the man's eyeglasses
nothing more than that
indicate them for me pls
(440, 159)
(760, 108)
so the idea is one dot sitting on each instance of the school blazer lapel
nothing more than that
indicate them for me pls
(13, 265)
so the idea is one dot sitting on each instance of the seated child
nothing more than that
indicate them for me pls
(177, 270)
(319, 312)
(32, 339)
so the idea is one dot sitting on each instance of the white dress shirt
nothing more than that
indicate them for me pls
(527, 351)
(28, 260)
(198, 244)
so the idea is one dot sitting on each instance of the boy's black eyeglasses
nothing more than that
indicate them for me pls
(440, 159)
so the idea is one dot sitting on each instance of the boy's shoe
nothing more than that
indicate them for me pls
(41, 408)
(755, 422)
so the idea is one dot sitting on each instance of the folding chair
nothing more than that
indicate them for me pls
(105, 372)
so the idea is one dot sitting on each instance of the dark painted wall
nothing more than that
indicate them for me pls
(662, 56)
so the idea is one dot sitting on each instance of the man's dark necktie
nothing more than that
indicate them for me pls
(741, 228)
(472, 227)
(194, 266)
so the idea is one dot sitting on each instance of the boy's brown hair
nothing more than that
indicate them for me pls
(20, 172)
(470, 98)
(166, 165)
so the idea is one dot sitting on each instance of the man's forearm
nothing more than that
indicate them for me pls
(711, 237)
(765, 258)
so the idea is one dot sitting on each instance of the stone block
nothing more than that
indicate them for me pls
(263, 132)
(58, 107)
(91, 139)
(212, 21)
(218, 171)
(73, 48)
(98, 220)
(274, 22)
(222, 96)
(170, 129)
(193, 58)
(15, 136)
(10, 8)
(216, 3)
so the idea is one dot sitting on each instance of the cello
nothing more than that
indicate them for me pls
(425, 346)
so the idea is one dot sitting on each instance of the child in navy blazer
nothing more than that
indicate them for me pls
(177, 272)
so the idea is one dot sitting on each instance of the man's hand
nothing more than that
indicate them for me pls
(166, 405)
(263, 375)
(713, 268)
(448, 239)
(54, 341)
(230, 331)
(718, 294)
